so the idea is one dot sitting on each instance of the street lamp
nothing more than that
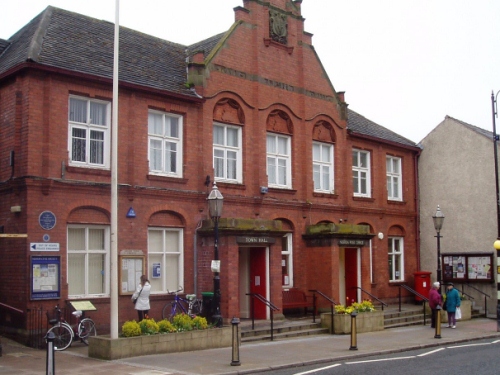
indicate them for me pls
(438, 219)
(215, 202)
(496, 244)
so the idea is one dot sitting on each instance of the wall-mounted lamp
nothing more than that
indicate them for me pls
(380, 235)
(15, 209)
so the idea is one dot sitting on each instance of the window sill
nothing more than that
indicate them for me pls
(325, 195)
(281, 190)
(88, 171)
(231, 185)
(397, 203)
(363, 199)
(153, 177)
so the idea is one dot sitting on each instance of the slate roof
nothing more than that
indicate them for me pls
(361, 125)
(483, 132)
(66, 40)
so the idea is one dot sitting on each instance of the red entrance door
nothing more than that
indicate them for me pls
(351, 275)
(258, 279)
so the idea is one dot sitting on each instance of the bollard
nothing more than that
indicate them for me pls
(50, 353)
(353, 331)
(437, 334)
(236, 342)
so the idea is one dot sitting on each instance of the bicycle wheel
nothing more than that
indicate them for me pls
(196, 307)
(63, 336)
(169, 310)
(86, 328)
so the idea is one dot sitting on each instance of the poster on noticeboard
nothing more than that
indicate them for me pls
(467, 267)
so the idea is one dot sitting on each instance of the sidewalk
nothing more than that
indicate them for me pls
(255, 357)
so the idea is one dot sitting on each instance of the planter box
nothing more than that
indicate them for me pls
(465, 306)
(103, 347)
(365, 322)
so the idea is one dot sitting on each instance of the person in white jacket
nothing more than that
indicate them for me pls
(142, 297)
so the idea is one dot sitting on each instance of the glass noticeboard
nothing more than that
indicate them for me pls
(45, 277)
(467, 267)
(131, 268)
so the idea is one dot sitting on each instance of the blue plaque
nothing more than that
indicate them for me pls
(47, 220)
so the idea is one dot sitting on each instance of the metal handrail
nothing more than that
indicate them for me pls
(11, 308)
(424, 298)
(481, 292)
(272, 309)
(371, 295)
(333, 303)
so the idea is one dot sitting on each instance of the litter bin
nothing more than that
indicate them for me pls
(207, 299)
(422, 284)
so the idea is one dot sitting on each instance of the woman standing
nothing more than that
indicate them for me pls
(142, 297)
(452, 302)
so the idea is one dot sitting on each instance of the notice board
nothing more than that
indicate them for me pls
(131, 268)
(45, 277)
(468, 267)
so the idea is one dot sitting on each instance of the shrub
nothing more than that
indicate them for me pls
(166, 327)
(131, 328)
(182, 322)
(200, 323)
(365, 306)
(149, 327)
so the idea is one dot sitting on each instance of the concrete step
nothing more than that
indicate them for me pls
(284, 335)
(281, 330)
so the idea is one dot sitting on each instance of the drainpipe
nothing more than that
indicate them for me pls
(195, 265)
(417, 205)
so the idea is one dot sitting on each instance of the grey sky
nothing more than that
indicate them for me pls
(403, 64)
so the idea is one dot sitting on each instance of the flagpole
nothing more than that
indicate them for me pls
(114, 187)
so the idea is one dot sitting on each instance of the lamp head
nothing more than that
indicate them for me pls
(215, 202)
(438, 219)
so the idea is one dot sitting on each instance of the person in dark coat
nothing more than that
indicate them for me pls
(452, 302)
(435, 300)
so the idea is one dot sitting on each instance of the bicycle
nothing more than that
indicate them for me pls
(65, 333)
(190, 305)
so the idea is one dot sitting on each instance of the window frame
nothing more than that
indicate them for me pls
(392, 177)
(357, 169)
(288, 238)
(180, 279)
(167, 138)
(106, 251)
(225, 148)
(392, 258)
(277, 156)
(330, 165)
(88, 127)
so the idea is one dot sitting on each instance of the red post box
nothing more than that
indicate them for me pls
(422, 284)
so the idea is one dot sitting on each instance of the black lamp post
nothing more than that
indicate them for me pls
(496, 244)
(215, 202)
(438, 219)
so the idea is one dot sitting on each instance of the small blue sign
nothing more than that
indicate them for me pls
(131, 212)
(156, 270)
(46, 237)
(47, 220)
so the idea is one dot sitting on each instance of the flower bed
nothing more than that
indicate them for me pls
(148, 337)
(367, 319)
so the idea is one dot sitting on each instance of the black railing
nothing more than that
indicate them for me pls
(481, 292)
(382, 303)
(422, 297)
(272, 309)
(332, 304)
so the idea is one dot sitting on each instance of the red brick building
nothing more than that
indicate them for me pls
(315, 195)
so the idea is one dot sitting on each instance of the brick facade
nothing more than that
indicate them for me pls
(246, 80)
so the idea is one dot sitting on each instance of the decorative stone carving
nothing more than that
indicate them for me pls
(279, 121)
(323, 132)
(228, 110)
(278, 27)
